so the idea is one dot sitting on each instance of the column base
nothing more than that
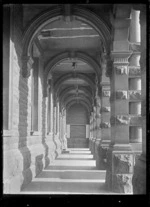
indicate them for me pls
(139, 176)
(93, 146)
(119, 173)
(96, 150)
(102, 155)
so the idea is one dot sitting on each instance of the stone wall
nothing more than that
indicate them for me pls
(24, 155)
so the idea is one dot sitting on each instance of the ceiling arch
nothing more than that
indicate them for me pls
(77, 100)
(74, 96)
(72, 55)
(62, 92)
(63, 78)
(54, 14)
(82, 103)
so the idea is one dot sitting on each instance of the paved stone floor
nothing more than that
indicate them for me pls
(71, 173)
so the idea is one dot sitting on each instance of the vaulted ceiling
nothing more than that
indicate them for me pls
(68, 34)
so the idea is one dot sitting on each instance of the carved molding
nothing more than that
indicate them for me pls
(135, 120)
(120, 120)
(106, 93)
(134, 71)
(123, 163)
(121, 94)
(105, 125)
(134, 95)
(122, 183)
(27, 63)
(105, 109)
(135, 47)
(121, 69)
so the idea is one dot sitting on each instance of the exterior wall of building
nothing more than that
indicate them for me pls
(27, 152)
(24, 154)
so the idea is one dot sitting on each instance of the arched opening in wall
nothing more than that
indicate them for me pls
(70, 46)
(77, 126)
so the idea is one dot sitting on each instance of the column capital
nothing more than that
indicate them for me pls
(120, 57)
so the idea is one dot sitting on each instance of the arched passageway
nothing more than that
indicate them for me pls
(77, 75)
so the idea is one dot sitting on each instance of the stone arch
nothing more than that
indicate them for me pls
(66, 77)
(79, 99)
(66, 90)
(89, 109)
(77, 55)
(66, 96)
(54, 14)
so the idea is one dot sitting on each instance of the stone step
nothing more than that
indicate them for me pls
(66, 186)
(73, 174)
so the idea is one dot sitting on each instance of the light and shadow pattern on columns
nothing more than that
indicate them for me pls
(98, 129)
(119, 156)
(139, 176)
(105, 124)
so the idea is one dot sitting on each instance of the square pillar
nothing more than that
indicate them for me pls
(98, 129)
(139, 176)
(119, 156)
(105, 125)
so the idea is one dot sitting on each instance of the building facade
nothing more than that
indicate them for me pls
(75, 76)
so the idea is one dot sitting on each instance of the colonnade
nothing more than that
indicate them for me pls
(122, 126)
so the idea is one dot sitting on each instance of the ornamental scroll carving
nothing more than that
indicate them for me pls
(105, 109)
(105, 125)
(27, 63)
(120, 120)
(120, 94)
(121, 70)
(123, 163)
(106, 93)
(134, 95)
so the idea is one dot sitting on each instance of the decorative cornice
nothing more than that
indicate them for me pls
(121, 57)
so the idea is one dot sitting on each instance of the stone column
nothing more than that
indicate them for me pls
(98, 129)
(119, 156)
(58, 110)
(91, 131)
(94, 130)
(105, 125)
(139, 177)
(135, 131)
(64, 131)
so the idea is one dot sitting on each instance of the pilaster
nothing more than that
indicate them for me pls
(105, 124)
(139, 176)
